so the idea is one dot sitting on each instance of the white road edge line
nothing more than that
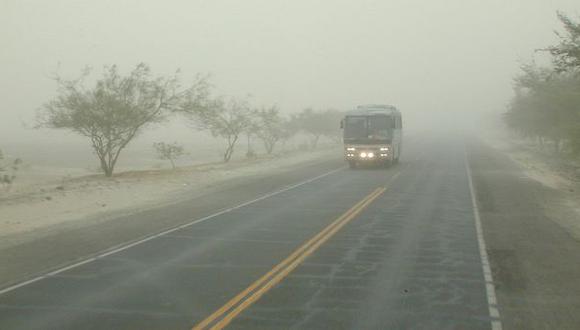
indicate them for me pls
(489, 286)
(127, 245)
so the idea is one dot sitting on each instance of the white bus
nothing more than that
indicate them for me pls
(372, 134)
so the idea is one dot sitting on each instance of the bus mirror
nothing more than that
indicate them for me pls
(342, 123)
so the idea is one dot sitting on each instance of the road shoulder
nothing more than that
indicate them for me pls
(533, 257)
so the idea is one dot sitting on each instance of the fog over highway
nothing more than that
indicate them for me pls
(436, 61)
(328, 248)
(289, 164)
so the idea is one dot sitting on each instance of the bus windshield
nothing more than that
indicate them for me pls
(355, 128)
(379, 126)
(367, 129)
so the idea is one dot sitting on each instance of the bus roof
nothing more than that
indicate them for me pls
(373, 109)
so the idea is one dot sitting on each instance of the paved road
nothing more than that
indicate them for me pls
(535, 261)
(345, 249)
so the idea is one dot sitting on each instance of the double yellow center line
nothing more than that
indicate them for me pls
(223, 316)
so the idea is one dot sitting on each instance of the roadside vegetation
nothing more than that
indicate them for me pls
(115, 109)
(8, 170)
(317, 124)
(169, 151)
(545, 107)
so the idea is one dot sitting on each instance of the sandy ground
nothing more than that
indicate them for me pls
(562, 205)
(75, 196)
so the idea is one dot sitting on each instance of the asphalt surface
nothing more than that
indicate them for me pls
(534, 260)
(369, 248)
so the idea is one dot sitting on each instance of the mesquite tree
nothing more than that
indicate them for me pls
(270, 127)
(317, 124)
(8, 169)
(566, 54)
(117, 108)
(227, 119)
(169, 151)
(546, 101)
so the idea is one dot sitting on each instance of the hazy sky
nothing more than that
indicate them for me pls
(439, 57)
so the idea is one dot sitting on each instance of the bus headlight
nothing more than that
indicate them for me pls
(370, 155)
(363, 155)
(384, 148)
(350, 149)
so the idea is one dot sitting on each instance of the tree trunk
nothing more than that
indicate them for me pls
(107, 170)
(315, 141)
(269, 146)
(250, 151)
(230, 149)
(108, 155)
(228, 154)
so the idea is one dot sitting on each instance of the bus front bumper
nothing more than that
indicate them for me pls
(382, 154)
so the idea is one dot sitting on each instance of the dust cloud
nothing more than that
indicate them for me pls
(444, 64)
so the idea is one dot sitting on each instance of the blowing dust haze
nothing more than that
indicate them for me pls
(262, 164)
(450, 59)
